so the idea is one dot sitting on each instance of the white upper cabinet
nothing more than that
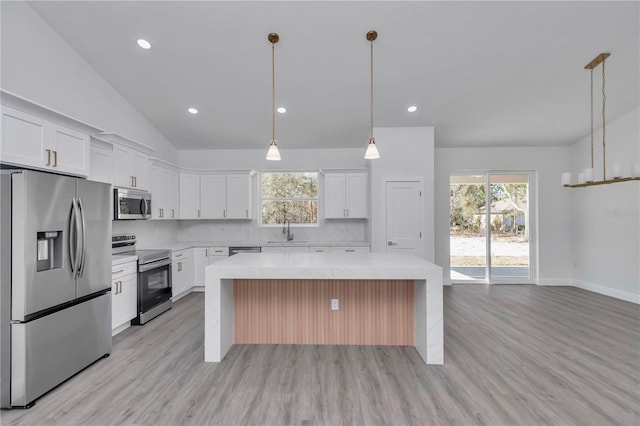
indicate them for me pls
(189, 196)
(101, 162)
(172, 180)
(215, 196)
(129, 168)
(71, 150)
(238, 197)
(345, 195)
(335, 191)
(34, 142)
(163, 185)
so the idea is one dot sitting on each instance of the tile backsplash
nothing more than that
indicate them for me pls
(148, 232)
(151, 232)
(338, 230)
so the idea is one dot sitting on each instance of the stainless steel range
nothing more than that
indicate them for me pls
(154, 277)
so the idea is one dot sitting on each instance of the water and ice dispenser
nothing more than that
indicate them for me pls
(49, 250)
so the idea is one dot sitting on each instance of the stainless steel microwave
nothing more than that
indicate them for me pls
(131, 204)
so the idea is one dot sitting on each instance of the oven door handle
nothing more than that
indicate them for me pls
(154, 265)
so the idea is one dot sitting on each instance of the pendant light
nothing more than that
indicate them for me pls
(372, 150)
(273, 154)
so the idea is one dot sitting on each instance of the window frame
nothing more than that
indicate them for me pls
(293, 225)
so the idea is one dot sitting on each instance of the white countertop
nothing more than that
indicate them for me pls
(177, 246)
(119, 259)
(395, 266)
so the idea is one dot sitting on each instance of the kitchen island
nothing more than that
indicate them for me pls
(383, 299)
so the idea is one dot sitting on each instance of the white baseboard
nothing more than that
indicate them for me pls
(607, 291)
(554, 282)
(198, 289)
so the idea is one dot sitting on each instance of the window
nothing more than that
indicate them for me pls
(291, 196)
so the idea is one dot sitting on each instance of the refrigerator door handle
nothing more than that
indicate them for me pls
(72, 240)
(76, 271)
(84, 239)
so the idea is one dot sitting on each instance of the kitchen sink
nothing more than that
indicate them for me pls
(285, 242)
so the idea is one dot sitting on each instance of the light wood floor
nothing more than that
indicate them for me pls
(513, 355)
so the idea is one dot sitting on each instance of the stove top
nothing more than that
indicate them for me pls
(126, 244)
(148, 256)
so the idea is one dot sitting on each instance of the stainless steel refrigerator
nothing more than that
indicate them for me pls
(55, 289)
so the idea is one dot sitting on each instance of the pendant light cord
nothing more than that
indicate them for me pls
(371, 89)
(273, 91)
(591, 91)
(604, 126)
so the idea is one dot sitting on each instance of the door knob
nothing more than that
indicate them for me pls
(391, 243)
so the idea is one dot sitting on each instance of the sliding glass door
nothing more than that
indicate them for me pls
(490, 227)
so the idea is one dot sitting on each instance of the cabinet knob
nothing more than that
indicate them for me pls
(48, 157)
(55, 158)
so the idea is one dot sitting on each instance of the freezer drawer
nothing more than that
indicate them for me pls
(47, 351)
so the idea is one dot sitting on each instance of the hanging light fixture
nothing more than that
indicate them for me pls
(372, 150)
(273, 154)
(587, 176)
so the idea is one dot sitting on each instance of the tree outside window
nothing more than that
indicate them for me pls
(289, 196)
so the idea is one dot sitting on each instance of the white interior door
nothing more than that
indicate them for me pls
(405, 217)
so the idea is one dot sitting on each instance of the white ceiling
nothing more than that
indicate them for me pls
(482, 73)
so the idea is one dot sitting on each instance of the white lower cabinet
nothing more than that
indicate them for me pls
(216, 254)
(297, 249)
(350, 249)
(182, 273)
(272, 250)
(319, 249)
(124, 295)
(200, 262)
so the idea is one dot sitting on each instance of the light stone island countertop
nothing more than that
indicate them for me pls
(386, 266)
(176, 246)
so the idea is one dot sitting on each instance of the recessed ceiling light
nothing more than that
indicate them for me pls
(412, 108)
(281, 110)
(144, 44)
(193, 110)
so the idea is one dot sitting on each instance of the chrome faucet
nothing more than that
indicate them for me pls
(286, 229)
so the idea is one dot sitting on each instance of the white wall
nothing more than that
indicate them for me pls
(605, 226)
(37, 64)
(405, 152)
(292, 159)
(553, 201)
(250, 231)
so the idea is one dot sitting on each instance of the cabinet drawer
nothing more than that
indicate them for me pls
(319, 249)
(180, 255)
(350, 249)
(124, 269)
(218, 251)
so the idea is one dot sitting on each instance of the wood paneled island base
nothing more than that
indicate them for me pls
(370, 312)
(285, 298)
